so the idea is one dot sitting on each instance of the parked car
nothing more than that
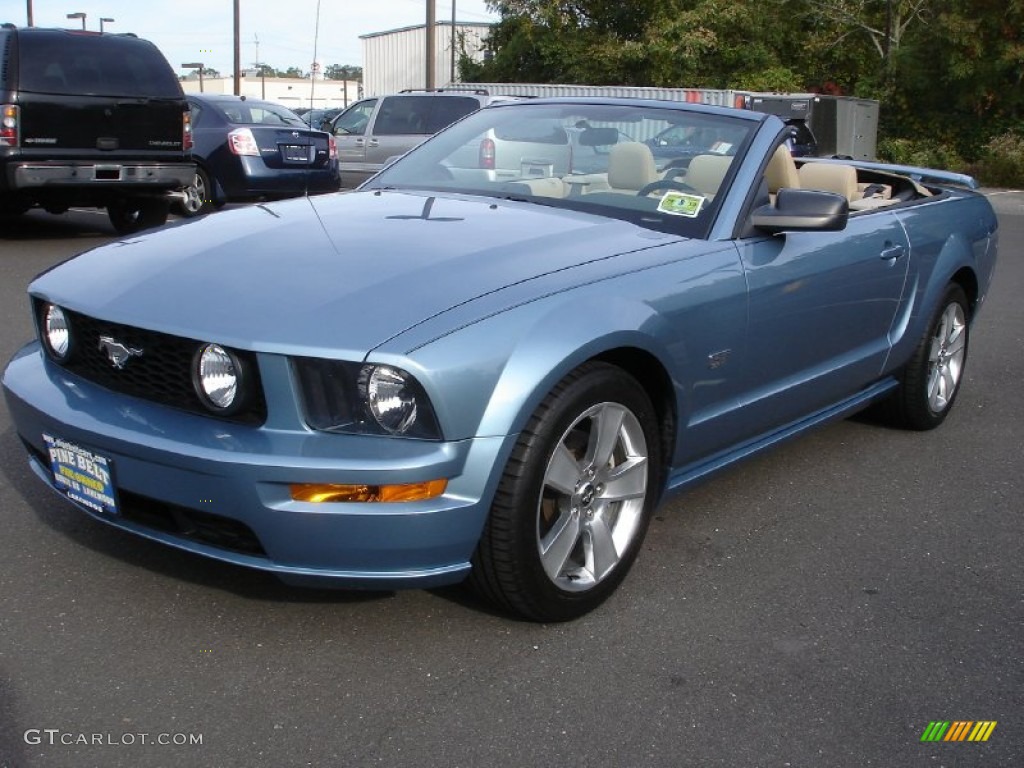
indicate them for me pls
(681, 142)
(90, 119)
(320, 118)
(444, 375)
(247, 149)
(373, 131)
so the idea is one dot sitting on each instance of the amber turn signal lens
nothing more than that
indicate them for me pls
(327, 492)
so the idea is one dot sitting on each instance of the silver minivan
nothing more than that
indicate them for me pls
(374, 130)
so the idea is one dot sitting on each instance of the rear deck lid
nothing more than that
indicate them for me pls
(283, 138)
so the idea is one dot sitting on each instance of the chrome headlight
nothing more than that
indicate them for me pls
(348, 397)
(56, 332)
(390, 397)
(217, 378)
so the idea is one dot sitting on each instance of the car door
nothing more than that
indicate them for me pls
(404, 121)
(400, 124)
(350, 128)
(821, 307)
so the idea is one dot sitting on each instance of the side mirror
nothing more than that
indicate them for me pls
(803, 210)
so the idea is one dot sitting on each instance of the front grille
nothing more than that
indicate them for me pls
(162, 373)
(204, 527)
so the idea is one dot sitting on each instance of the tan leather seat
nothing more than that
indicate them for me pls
(830, 177)
(630, 167)
(781, 172)
(706, 173)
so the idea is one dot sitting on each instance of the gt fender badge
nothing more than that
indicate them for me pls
(118, 353)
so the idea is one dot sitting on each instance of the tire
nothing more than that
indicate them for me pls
(198, 196)
(932, 378)
(136, 214)
(560, 537)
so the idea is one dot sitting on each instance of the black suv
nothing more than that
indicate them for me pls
(90, 119)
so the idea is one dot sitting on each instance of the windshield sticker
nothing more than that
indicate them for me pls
(681, 204)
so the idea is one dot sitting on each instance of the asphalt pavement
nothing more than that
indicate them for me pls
(815, 607)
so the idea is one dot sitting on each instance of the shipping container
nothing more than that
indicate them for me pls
(396, 60)
(843, 126)
(713, 96)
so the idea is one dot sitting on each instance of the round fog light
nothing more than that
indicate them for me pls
(58, 334)
(218, 375)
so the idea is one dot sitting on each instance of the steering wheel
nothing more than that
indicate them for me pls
(671, 171)
(646, 189)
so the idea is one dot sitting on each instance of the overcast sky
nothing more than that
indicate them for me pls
(201, 30)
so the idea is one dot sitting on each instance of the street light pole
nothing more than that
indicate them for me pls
(78, 15)
(105, 19)
(431, 18)
(30, 13)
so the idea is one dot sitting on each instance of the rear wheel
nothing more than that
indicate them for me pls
(198, 196)
(135, 214)
(574, 502)
(932, 378)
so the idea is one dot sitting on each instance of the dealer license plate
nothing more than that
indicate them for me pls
(84, 476)
(296, 154)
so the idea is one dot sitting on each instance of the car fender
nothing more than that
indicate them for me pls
(958, 256)
(519, 355)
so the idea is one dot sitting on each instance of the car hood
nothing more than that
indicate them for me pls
(333, 275)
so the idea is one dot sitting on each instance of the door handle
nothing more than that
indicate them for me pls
(892, 252)
(360, 142)
(374, 142)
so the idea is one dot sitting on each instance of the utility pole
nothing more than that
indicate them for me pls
(452, 78)
(238, 50)
(431, 18)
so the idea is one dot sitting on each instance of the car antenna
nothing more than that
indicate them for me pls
(312, 85)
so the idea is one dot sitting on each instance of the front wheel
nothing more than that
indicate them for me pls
(135, 214)
(575, 500)
(932, 378)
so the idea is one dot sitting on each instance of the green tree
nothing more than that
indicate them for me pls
(949, 73)
(343, 72)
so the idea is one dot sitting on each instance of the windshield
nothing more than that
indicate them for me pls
(614, 160)
(260, 113)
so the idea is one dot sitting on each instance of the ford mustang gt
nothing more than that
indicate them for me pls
(494, 372)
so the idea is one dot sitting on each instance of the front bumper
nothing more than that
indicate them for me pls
(222, 490)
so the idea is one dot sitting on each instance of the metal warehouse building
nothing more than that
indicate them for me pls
(397, 59)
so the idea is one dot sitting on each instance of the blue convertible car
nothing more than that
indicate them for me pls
(464, 370)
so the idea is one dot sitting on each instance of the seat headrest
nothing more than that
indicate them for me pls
(631, 166)
(781, 171)
(830, 177)
(706, 172)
